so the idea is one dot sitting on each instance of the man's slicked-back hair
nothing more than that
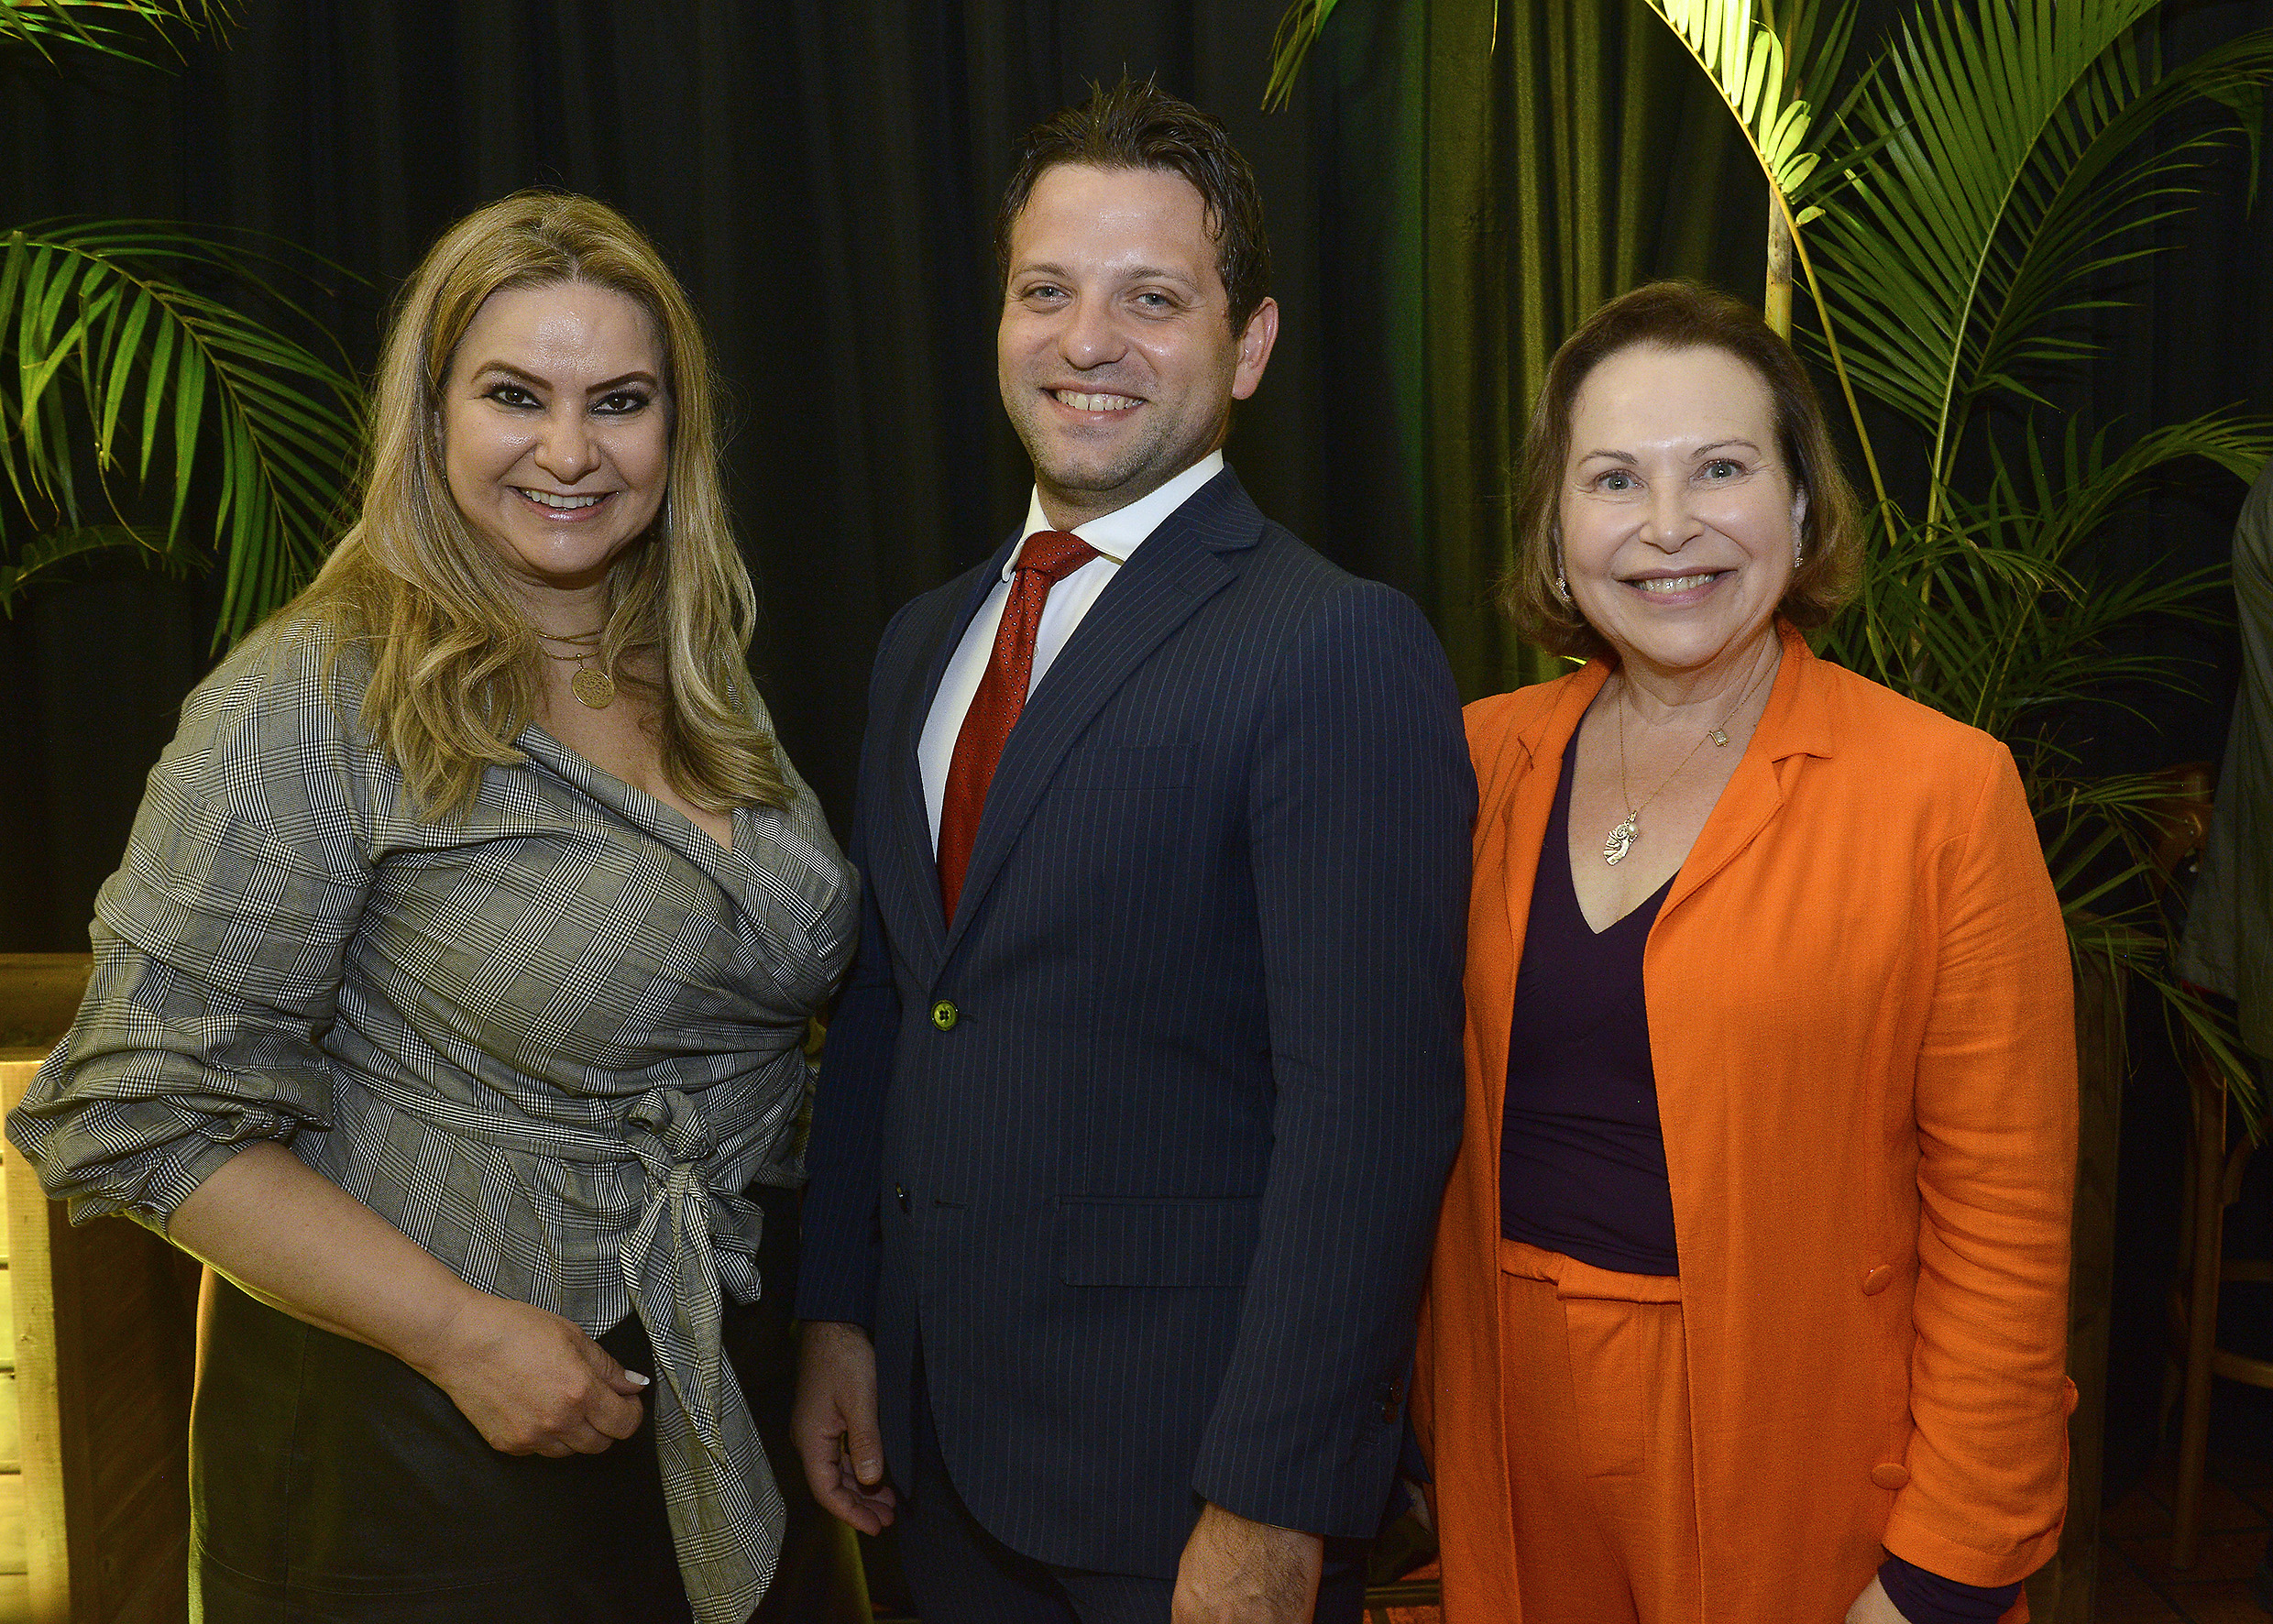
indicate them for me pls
(1141, 126)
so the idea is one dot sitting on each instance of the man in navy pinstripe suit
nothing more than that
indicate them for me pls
(1139, 1106)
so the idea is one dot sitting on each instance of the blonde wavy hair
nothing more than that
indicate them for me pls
(456, 667)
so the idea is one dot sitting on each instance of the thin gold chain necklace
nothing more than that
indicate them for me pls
(1621, 839)
(592, 685)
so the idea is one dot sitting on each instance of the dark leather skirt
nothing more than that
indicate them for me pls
(330, 1481)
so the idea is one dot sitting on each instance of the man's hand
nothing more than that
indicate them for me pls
(834, 1424)
(1237, 1572)
(1875, 1607)
(531, 1382)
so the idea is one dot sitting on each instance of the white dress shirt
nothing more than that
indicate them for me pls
(1115, 536)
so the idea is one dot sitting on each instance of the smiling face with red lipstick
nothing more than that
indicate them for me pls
(1117, 356)
(556, 437)
(1677, 516)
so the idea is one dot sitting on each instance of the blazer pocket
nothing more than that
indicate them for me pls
(1142, 766)
(1104, 1241)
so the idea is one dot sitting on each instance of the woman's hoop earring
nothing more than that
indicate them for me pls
(1561, 588)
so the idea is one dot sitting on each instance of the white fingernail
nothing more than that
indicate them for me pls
(636, 1376)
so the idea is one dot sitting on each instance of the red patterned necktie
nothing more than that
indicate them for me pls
(1048, 557)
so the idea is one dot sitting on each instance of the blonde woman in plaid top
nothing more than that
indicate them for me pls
(448, 1001)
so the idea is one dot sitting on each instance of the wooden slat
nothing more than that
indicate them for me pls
(11, 1426)
(11, 1523)
(105, 1339)
(39, 994)
(47, 1549)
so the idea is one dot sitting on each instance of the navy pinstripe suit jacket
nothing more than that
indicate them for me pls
(1156, 1196)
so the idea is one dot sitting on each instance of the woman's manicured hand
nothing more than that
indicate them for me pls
(529, 1381)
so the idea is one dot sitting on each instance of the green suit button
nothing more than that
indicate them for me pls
(943, 1015)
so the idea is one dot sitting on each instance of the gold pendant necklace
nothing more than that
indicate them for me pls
(591, 684)
(594, 687)
(1621, 838)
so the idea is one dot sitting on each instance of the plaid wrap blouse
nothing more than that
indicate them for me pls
(552, 1042)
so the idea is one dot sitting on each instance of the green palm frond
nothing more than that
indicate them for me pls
(1760, 71)
(2003, 178)
(110, 365)
(48, 554)
(1297, 31)
(1988, 615)
(110, 26)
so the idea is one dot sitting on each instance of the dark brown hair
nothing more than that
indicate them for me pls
(1140, 127)
(1677, 316)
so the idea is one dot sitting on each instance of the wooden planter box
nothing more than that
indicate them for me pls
(94, 1501)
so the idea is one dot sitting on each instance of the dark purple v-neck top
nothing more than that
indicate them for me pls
(1582, 1153)
(1581, 1159)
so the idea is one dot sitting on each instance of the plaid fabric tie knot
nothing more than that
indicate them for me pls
(1046, 558)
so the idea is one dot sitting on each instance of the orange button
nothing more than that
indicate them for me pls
(1878, 1280)
(1890, 1475)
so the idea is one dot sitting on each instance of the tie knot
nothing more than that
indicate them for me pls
(1054, 554)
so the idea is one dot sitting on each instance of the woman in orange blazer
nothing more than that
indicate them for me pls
(1829, 1383)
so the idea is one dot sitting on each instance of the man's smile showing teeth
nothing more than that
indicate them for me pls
(1674, 583)
(545, 498)
(1093, 403)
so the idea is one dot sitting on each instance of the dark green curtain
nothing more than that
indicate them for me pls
(1541, 157)
(821, 173)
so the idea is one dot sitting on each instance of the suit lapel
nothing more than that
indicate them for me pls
(909, 893)
(1187, 560)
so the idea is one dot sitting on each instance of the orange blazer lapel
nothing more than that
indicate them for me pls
(1794, 724)
(1518, 770)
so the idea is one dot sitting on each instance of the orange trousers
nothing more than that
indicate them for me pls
(1596, 1402)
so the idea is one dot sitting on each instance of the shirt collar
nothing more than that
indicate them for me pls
(1120, 533)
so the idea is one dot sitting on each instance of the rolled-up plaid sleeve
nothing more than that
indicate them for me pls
(218, 952)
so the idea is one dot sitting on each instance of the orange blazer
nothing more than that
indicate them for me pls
(1859, 1010)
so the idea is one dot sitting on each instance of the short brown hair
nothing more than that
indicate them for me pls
(1141, 126)
(1679, 315)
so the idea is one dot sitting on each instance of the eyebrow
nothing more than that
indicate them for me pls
(1159, 273)
(640, 376)
(1135, 273)
(1627, 457)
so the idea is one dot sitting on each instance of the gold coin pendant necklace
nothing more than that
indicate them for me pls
(1622, 838)
(591, 684)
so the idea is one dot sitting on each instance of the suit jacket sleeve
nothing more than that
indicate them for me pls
(1361, 798)
(842, 1242)
(1996, 1123)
